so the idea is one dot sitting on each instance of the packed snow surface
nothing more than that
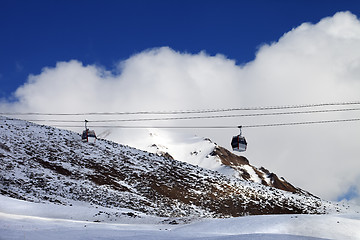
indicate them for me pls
(25, 220)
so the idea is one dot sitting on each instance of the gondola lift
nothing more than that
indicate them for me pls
(88, 135)
(238, 142)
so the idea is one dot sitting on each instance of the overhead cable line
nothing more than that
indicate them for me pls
(186, 111)
(301, 123)
(219, 126)
(201, 117)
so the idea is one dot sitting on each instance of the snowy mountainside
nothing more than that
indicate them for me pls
(46, 164)
(207, 154)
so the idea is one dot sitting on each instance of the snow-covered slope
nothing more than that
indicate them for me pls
(45, 164)
(35, 221)
(207, 154)
(190, 149)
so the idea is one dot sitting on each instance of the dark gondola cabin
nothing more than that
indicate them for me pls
(88, 135)
(238, 143)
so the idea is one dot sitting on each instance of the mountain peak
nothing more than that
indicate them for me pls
(205, 153)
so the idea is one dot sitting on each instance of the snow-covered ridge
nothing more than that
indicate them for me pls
(45, 164)
(204, 153)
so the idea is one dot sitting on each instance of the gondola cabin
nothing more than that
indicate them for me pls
(238, 143)
(88, 135)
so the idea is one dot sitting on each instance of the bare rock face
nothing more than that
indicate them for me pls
(228, 158)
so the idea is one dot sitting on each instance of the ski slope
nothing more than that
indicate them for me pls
(25, 220)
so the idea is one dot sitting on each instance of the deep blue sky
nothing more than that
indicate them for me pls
(36, 34)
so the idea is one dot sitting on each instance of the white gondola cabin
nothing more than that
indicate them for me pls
(238, 143)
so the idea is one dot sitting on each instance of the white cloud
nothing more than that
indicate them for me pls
(312, 63)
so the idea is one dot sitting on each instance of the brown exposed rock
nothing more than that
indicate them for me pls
(228, 158)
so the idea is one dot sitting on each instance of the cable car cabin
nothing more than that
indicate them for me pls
(88, 136)
(238, 143)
